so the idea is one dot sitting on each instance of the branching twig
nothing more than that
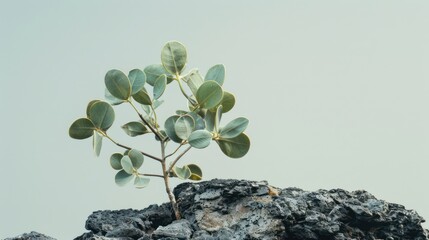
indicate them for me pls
(151, 175)
(177, 149)
(129, 148)
(178, 158)
(146, 122)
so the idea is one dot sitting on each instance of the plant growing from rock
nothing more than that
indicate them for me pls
(195, 127)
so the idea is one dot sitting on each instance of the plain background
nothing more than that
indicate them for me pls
(336, 92)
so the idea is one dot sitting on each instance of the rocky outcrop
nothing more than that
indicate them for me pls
(31, 236)
(233, 209)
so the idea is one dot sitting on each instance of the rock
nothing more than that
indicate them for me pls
(179, 229)
(31, 236)
(238, 209)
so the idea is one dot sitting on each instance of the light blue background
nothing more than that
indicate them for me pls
(336, 91)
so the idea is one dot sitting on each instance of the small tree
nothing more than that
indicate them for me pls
(193, 128)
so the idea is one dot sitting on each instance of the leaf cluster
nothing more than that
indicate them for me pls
(196, 127)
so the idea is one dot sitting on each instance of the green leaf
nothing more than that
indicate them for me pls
(127, 165)
(183, 172)
(137, 80)
(216, 73)
(122, 178)
(81, 128)
(184, 126)
(170, 130)
(234, 128)
(154, 71)
(136, 157)
(194, 80)
(90, 105)
(218, 117)
(111, 99)
(228, 102)
(181, 112)
(210, 120)
(142, 97)
(97, 142)
(200, 139)
(235, 147)
(102, 115)
(140, 182)
(118, 84)
(157, 103)
(199, 121)
(146, 108)
(174, 57)
(196, 173)
(209, 94)
(135, 129)
(159, 86)
(115, 161)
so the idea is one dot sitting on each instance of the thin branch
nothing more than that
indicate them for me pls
(146, 122)
(128, 148)
(177, 149)
(178, 158)
(151, 175)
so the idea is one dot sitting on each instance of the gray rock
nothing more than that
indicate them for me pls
(234, 209)
(179, 229)
(31, 236)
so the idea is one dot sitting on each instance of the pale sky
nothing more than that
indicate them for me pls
(336, 93)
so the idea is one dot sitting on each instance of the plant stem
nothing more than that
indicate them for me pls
(182, 90)
(128, 148)
(178, 158)
(171, 154)
(146, 122)
(151, 175)
(167, 183)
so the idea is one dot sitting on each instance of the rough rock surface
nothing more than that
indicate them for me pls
(31, 236)
(234, 209)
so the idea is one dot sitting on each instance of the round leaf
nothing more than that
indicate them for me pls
(137, 80)
(136, 157)
(102, 115)
(183, 172)
(122, 178)
(154, 71)
(196, 173)
(235, 147)
(184, 126)
(210, 120)
(127, 165)
(159, 86)
(111, 99)
(118, 84)
(200, 139)
(209, 94)
(140, 182)
(194, 80)
(228, 102)
(134, 129)
(216, 73)
(142, 97)
(234, 128)
(97, 142)
(81, 129)
(90, 105)
(199, 121)
(115, 161)
(170, 130)
(174, 57)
